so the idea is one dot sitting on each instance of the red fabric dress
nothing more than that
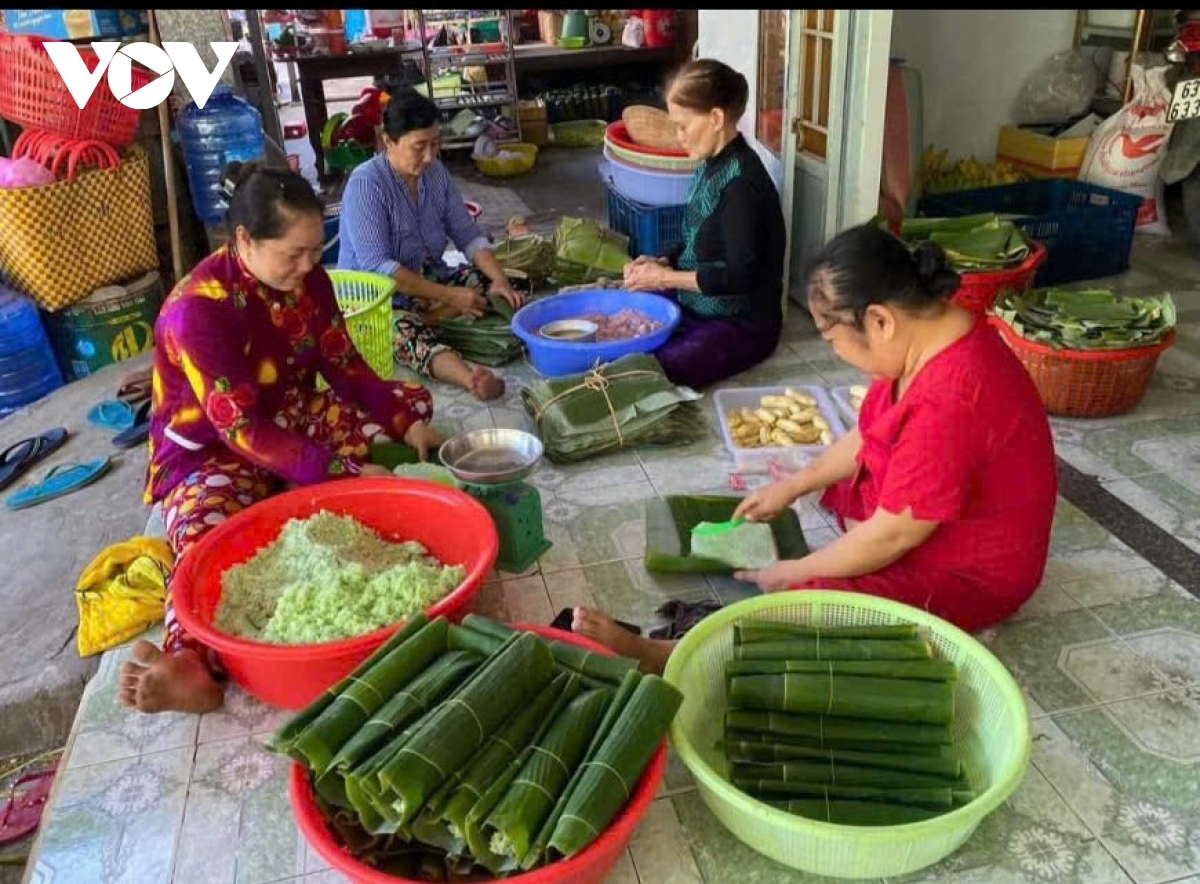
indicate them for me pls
(968, 446)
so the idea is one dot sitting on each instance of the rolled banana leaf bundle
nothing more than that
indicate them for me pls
(623, 404)
(531, 254)
(584, 251)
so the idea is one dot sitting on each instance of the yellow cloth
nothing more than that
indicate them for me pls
(122, 592)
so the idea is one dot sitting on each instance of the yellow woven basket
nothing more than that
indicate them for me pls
(507, 166)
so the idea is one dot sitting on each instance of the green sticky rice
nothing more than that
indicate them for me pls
(329, 577)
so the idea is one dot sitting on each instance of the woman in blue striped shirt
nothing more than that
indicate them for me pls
(400, 211)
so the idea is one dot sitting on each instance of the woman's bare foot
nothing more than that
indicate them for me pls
(155, 681)
(652, 653)
(484, 384)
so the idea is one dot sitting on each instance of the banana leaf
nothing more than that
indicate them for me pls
(949, 769)
(922, 670)
(769, 630)
(601, 667)
(759, 778)
(971, 242)
(576, 419)
(609, 775)
(443, 820)
(917, 229)
(856, 813)
(887, 699)
(736, 736)
(1087, 319)
(737, 543)
(584, 251)
(406, 706)
(284, 738)
(460, 725)
(800, 648)
(487, 339)
(531, 254)
(824, 727)
(935, 798)
(669, 525)
(318, 743)
(518, 817)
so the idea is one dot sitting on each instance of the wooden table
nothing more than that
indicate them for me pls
(314, 70)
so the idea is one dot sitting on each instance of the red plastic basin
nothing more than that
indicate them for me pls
(589, 866)
(452, 525)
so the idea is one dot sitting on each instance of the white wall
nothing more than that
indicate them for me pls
(731, 36)
(972, 65)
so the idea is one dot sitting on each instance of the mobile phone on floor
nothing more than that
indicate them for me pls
(566, 615)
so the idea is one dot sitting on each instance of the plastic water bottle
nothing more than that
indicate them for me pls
(226, 130)
(28, 370)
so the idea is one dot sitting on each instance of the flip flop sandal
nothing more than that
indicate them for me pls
(139, 432)
(112, 414)
(63, 479)
(18, 458)
(133, 392)
(21, 813)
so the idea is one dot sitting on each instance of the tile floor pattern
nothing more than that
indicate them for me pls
(1107, 654)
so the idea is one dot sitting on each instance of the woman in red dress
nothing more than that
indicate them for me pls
(945, 491)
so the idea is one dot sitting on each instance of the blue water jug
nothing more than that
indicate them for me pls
(28, 370)
(225, 130)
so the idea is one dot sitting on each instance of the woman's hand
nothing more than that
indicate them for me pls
(647, 259)
(424, 438)
(647, 275)
(466, 300)
(765, 503)
(374, 469)
(508, 293)
(780, 576)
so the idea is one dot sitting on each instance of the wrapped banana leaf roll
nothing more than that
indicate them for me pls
(856, 813)
(757, 778)
(939, 798)
(854, 696)
(732, 736)
(949, 769)
(282, 740)
(772, 630)
(600, 667)
(317, 744)
(460, 725)
(825, 727)
(820, 648)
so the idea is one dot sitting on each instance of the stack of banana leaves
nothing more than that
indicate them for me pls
(973, 243)
(460, 751)
(843, 724)
(1087, 319)
(585, 251)
(487, 339)
(624, 403)
(529, 253)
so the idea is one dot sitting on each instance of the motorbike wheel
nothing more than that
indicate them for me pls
(1191, 204)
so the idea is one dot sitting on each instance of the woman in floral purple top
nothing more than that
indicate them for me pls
(236, 415)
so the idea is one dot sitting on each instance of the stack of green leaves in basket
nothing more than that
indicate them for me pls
(454, 747)
(487, 339)
(1087, 319)
(842, 724)
(624, 403)
(972, 242)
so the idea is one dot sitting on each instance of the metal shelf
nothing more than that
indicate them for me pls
(467, 102)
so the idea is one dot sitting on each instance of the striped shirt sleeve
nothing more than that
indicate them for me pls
(465, 233)
(364, 226)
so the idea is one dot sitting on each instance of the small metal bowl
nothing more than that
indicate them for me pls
(571, 331)
(491, 457)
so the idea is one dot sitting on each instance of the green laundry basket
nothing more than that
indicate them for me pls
(366, 301)
(991, 736)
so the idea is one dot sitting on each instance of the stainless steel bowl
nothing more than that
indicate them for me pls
(574, 331)
(491, 457)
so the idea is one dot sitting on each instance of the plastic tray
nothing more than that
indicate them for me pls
(759, 460)
(841, 398)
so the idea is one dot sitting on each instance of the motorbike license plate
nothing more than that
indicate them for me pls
(1185, 103)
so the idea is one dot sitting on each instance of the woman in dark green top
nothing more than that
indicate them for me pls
(727, 275)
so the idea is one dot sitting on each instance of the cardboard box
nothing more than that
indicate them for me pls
(66, 24)
(1041, 156)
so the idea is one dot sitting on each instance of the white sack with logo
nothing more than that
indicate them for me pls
(1127, 151)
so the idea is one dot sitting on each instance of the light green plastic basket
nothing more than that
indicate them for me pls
(366, 301)
(991, 736)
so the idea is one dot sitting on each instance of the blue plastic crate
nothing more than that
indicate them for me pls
(1088, 230)
(652, 230)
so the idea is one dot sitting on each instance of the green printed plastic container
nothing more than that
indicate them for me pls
(991, 736)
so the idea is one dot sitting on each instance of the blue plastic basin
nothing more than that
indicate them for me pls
(557, 358)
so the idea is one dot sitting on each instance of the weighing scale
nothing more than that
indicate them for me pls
(490, 465)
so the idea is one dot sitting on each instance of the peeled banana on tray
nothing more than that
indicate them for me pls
(940, 175)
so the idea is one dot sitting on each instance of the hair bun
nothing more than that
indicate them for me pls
(934, 272)
(237, 172)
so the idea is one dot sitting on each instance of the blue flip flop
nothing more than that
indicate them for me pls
(139, 432)
(112, 414)
(63, 479)
(18, 458)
